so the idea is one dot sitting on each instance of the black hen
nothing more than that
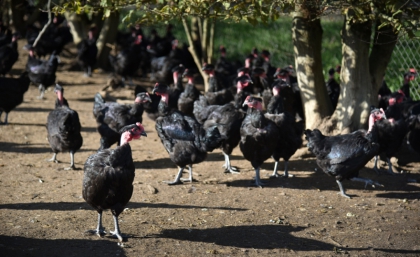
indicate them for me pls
(259, 136)
(127, 62)
(111, 117)
(243, 90)
(11, 93)
(52, 40)
(290, 139)
(333, 88)
(189, 96)
(343, 156)
(108, 178)
(186, 141)
(63, 127)
(8, 55)
(5, 35)
(228, 120)
(391, 134)
(87, 52)
(413, 137)
(42, 72)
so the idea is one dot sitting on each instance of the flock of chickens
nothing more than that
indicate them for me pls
(257, 107)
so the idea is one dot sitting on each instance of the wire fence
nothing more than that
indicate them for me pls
(406, 55)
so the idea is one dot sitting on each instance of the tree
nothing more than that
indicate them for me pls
(360, 76)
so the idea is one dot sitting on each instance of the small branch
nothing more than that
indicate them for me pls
(45, 26)
(194, 53)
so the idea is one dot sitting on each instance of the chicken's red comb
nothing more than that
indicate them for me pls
(138, 124)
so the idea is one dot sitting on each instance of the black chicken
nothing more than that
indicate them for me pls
(189, 96)
(333, 88)
(63, 127)
(186, 141)
(8, 55)
(127, 62)
(108, 178)
(11, 93)
(87, 52)
(275, 104)
(260, 85)
(243, 90)
(228, 120)
(409, 76)
(53, 40)
(5, 34)
(391, 134)
(111, 117)
(61, 100)
(224, 66)
(290, 138)
(217, 81)
(161, 67)
(42, 72)
(295, 101)
(413, 137)
(259, 136)
(342, 156)
(177, 89)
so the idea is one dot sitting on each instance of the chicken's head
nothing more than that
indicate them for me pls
(253, 102)
(130, 132)
(142, 97)
(59, 91)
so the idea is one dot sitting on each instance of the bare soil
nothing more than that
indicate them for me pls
(42, 211)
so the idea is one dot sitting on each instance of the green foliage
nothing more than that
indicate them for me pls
(404, 16)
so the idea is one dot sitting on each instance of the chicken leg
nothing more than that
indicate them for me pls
(116, 232)
(72, 167)
(342, 191)
(53, 158)
(41, 89)
(286, 170)
(100, 230)
(258, 181)
(377, 170)
(177, 178)
(228, 167)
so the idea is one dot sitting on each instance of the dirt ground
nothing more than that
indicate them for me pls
(42, 211)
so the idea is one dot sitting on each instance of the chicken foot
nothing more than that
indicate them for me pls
(258, 181)
(342, 191)
(53, 158)
(190, 179)
(116, 233)
(286, 171)
(367, 181)
(228, 167)
(72, 167)
(177, 178)
(100, 230)
(41, 89)
(378, 171)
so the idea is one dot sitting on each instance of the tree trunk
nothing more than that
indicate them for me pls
(384, 43)
(357, 94)
(107, 35)
(193, 50)
(79, 26)
(307, 41)
(210, 47)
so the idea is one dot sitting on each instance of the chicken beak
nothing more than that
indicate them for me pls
(143, 133)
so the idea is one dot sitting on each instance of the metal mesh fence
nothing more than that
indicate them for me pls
(406, 55)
